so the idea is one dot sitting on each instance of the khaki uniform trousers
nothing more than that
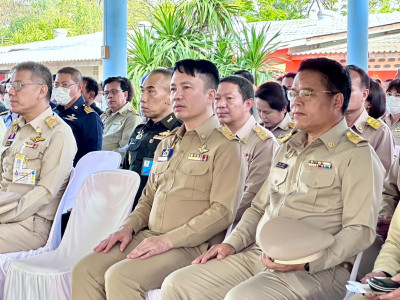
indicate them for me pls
(113, 276)
(31, 233)
(242, 276)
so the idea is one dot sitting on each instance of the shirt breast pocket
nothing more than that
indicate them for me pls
(195, 178)
(318, 190)
(34, 157)
(276, 179)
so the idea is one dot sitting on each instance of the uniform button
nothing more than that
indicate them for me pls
(276, 181)
(360, 127)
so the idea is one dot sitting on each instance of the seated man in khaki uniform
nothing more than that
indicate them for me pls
(36, 160)
(120, 118)
(375, 131)
(326, 176)
(190, 198)
(234, 103)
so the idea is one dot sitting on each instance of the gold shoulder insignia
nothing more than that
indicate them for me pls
(134, 111)
(374, 123)
(51, 122)
(292, 125)
(354, 137)
(87, 109)
(262, 133)
(227, 133)
(4, 112)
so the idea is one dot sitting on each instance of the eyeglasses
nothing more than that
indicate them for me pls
(64, 84)
(112, 92)
(17, 85)
(304, 94)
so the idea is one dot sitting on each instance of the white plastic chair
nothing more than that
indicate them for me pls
(104, 201)
(353, 274)
(89, 164)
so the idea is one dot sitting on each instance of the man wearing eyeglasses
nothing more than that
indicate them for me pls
(85, 123)
(375, 131)
(326, 176)
(36, 160)
(120, 119)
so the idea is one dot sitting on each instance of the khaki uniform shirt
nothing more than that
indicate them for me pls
(327, 185)
(378, 135)
(394, 128)
(192, 200)
(283, 128)
(118, 128)
(258, 146)
(391, 193)
(51, 158)
(388, 259)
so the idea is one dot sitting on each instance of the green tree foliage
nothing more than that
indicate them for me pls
(269, 10)
(36, 21)
(177, 33)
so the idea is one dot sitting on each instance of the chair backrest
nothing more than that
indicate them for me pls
(104, 201)
(92, 162)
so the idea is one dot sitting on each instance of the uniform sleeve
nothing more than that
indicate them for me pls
(361, 191)
(259, 168)
(125, 160)
(385, 148)
(391, 193)
(55, 170)
(226, 191)
(139, 218)
(388, 259)
(244, 233)
(93, 133)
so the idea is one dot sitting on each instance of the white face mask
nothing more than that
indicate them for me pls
(393, 104)
(62, 96)
(6, 100)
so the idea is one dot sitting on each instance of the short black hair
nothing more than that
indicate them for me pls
(126, 85)
(76, 75)
(244, 86)
(273, 93)
(280, 78)
(335, 76)
(40, 73)
(394, 84)
(206, 69)
(289, 75)
(91, 85)
(377, 99)
(245, 74)
(363, 75)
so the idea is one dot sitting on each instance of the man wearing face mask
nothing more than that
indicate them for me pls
(85, 123)
(375, 131)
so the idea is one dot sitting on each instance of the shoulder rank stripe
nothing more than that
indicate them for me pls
(51, 122)
(292, 125)
(374, 123)
(4, 112)
(87, 109)
(227, 133)
(354, 137)
(262, 133)
(134, 111)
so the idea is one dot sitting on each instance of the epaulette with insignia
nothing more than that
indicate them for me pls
(51, 122)
(87, 109)
(4, 112)
(262, 133)
(374, 123)
(133, 111)
(292, 125)
(288, 136)
(354, 137)
(227, 133)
